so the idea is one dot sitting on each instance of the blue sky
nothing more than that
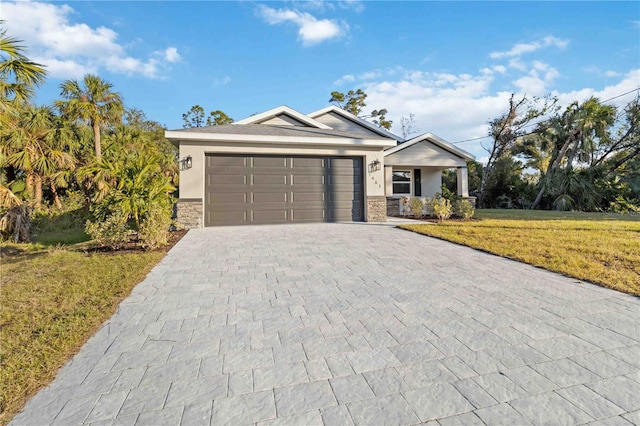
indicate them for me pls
(451, 64)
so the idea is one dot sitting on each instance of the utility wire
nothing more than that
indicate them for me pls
(539, 122)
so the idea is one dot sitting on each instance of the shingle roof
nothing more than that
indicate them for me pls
(270, 130)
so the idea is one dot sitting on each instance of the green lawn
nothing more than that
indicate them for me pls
(596, 247)
(54, 297)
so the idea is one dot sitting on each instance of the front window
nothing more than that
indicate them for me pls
(401, 182)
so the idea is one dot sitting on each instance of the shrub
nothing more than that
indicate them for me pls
(154, 229)
(15, 224)
(113, 232)
(441, 208)
(428, 206)
(464, 209)
(415, 206)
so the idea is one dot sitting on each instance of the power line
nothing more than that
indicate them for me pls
(535, 124)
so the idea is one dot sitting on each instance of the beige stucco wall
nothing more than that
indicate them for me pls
(192, 180)
(338, 122)
(424, 153)
(431, 179)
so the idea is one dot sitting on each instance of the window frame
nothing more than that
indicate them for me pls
(410, 182)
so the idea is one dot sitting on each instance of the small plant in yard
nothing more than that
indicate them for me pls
(464, 209)
(112, 232)
(154, 229)
(442, 208)
(415, 207)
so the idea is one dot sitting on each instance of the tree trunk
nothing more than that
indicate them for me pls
(37, 184)
(30, 185)
(96, 139)
(483, 185)
(56, 198)
(551, 169)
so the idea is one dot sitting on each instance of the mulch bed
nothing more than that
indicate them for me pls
(433, 220)
(133, 245)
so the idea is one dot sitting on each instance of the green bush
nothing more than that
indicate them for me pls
(441, 208)
(113, 232)
(154, 229)
(464, 209)
(415, 206)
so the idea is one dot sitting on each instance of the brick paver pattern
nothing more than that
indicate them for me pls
(343, 324)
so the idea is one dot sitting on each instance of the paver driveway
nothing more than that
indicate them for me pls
(351, 323)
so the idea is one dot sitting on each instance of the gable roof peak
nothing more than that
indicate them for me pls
(282, 110)
(361, 121)
(436, 140)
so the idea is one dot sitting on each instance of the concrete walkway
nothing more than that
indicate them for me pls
(351, 324)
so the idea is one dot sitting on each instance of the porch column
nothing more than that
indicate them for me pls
(462, 179)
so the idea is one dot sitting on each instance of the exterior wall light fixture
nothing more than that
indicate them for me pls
(187, 162)
(374, 166)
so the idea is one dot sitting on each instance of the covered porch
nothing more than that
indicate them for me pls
(414, 169)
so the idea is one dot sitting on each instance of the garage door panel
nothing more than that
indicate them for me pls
(214, 161)
(229, 198)
(308, 180)
(226, 179)
(304, 162)
(269, 197)
(310, 215)
(269, 162)
(269, 216)
(236, 217)
(280, 189)
(346, 179)
(344, 196)
(301, 197)
(269, 180)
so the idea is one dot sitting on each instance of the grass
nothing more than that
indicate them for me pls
(596, 247)
(53, 299)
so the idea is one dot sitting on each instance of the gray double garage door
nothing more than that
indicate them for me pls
(269, 189)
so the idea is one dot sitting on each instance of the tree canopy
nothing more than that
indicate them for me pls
(354, 102)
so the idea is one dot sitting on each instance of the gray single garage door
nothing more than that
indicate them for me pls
(276, 189)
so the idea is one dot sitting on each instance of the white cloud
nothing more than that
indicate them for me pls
(521, 48)
(500, 69)
(628, 83)
(370, 75)
(355, 5)
(69, 49)
(222, 81)
(518, 64)
(348, 78)
(457, 107)
(611, 74)
(310, 29)
(171, 55)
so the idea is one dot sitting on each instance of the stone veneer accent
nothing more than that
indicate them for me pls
(393, 206)
(189, 212)
(377, 209)
(472, 200)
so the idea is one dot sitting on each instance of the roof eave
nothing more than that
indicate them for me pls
(182, 136)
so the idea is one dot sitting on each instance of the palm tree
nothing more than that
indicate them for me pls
(575, 135)
(18, 75)
(95, 104)
(38, 143)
